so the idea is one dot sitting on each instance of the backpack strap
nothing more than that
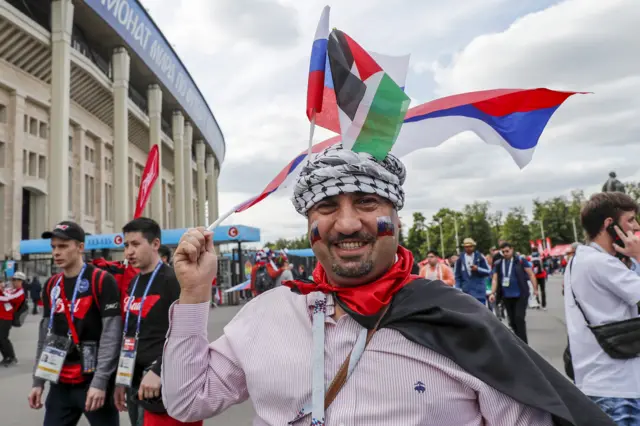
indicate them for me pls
(93, 286)
(574, 295)
(47, 287)
(104, 273)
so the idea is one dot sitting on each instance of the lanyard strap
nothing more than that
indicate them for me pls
(132, 297)
(70, 309)
(504, 275)
(320, 400)
(464, 262)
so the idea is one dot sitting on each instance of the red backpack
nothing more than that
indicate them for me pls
(123, 274)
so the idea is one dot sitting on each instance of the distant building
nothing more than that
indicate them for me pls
(85, 91)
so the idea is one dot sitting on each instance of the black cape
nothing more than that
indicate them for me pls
(455, 325)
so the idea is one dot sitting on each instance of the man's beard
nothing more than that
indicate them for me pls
(356, 269)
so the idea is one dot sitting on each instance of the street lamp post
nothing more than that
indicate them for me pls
(441, 240)
(575, 231)
(455, 223)
(428, 239)
(544, 240)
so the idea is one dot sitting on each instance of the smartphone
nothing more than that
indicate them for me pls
(616, 239)
(612, 231)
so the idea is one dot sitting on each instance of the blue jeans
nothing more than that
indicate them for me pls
(623, 411)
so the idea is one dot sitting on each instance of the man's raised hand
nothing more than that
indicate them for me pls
(196, 265)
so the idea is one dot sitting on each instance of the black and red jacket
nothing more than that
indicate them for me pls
(154, 325)
(10, 301)
(98, 297)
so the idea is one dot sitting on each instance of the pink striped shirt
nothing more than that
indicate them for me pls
(265, 354)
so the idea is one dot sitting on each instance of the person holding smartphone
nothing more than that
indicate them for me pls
(602, 286)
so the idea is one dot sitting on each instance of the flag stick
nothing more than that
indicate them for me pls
(312, 128)
(218, 221)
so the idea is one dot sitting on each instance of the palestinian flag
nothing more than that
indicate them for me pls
(371, 105)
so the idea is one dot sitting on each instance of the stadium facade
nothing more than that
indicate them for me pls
(87, 87)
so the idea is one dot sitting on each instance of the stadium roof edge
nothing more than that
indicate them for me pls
(188, 73)
(93, 4)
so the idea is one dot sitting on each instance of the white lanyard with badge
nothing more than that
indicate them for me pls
(127, 362)
(506, 278)
(56, 348)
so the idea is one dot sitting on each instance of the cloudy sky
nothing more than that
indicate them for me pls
(250, 59)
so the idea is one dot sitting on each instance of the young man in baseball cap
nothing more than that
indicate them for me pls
(78, 347)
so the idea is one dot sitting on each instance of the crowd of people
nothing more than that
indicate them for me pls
(366, 339)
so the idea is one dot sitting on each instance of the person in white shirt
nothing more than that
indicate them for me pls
(607, 291)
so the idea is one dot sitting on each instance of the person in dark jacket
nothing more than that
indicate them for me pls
(35, 293)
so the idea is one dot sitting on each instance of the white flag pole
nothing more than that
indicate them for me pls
(312, 128)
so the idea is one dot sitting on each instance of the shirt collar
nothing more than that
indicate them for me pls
(597, 247)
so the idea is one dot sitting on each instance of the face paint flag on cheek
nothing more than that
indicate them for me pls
(314, 233)
(386, 228)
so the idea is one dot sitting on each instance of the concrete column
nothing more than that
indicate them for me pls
(61, 23)
(101, 211)
(202, 182)
(14, 231)
(188, 175)
(154, 102)
(177, 128)
(212, 189)
(121, 189)
(78, 185)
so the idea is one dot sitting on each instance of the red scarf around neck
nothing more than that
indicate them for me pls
(367, 299)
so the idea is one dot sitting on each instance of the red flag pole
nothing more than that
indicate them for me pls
(149, 176)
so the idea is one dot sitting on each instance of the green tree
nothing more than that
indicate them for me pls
(633, 190)
(516, 230)
(496, 222)
(417, 236)
(448, 243)
(476, 225)
(301, 242)
(555, 218)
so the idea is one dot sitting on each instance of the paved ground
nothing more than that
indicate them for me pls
(546, 334)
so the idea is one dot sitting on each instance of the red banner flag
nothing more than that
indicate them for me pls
(532, 244)
(149, 176)
(548, 245)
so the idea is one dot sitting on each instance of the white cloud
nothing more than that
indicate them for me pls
(250, 59)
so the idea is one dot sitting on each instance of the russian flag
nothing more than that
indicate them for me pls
(511, 118)
(317, 66)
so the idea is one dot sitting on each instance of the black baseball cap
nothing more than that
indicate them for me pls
(66, 230)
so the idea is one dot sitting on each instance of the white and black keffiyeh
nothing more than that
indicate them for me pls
(340, 171)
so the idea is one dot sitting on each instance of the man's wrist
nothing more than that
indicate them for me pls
(194, 297)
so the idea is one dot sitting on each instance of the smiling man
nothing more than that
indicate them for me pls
(366, 339)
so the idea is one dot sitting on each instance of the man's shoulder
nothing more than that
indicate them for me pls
(587, 258)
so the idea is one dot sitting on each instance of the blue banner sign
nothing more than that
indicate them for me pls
(170, 237)
(132, 22)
